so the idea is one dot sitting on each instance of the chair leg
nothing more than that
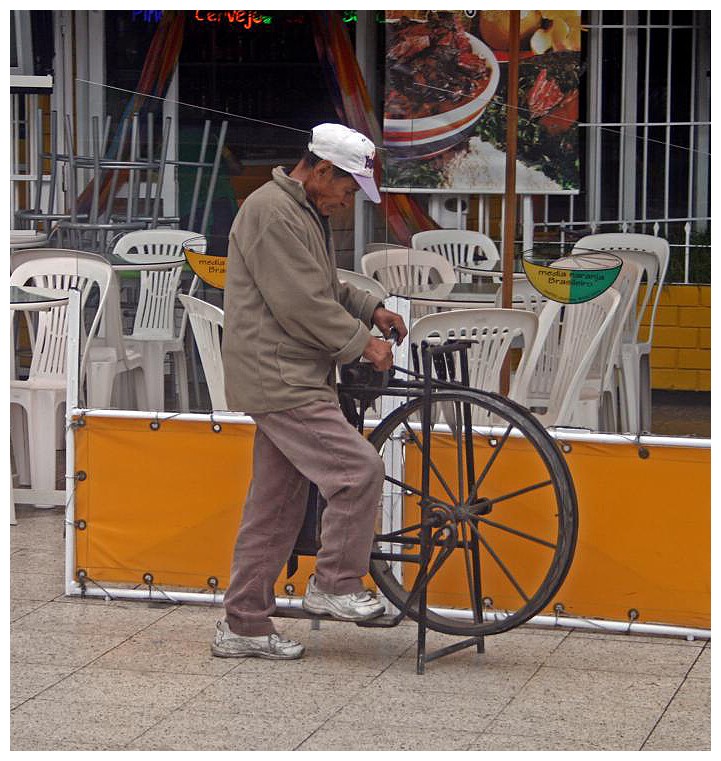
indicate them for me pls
(42, 446)
(139, 386)
(630, 383)
(13, 519)
(154, 375)
(60, 428)
(189, 344)
(123, 392)
(19, 443)
(101, 377)
(181, 380)
(644, 387)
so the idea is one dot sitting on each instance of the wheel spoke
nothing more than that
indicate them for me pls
(518, 492)
(459, 450)
(501, 564)
(435, 470)
(491, 460)
(469, 573)
(413, 490)
(516, 532)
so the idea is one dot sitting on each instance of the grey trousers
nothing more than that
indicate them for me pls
(315, 443)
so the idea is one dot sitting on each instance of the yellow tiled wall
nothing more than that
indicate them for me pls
(681, 354)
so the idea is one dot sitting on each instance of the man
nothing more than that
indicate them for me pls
(288, 323)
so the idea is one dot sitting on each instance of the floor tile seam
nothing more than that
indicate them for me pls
(43, 603)
(350, 699)
(178, 709)
(397, 658)
(511, 699)
(319, 675)
(38, 599)
(670, 701)
(349, 723)
(565, 638)
(661, 640)
(422, 686)
(398, 723)
(167, 715)
(542, 737)
(164, 711)
(80, 668)
(79, 747)
(624, 671)
(570, 733)
(120, 745)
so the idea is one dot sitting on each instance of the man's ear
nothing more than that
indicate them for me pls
(323, 169)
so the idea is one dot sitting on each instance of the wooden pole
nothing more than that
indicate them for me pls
(509, 225)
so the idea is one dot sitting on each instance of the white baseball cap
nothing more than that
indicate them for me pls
(350, 151)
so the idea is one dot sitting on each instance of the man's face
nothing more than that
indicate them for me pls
(328, 191)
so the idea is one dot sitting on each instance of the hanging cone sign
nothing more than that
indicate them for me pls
(210, 269)
(572, 279)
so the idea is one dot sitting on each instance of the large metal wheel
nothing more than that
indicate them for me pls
(493, 536)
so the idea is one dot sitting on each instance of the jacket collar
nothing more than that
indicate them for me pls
(291, 186)
(295, 189)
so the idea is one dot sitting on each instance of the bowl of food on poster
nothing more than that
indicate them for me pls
(439, 80)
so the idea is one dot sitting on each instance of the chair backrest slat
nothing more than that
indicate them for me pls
(155, 312)
(493, 332)
(459, 246)
(87, 274)
(634, 246)
(206, 322)
(582, 330)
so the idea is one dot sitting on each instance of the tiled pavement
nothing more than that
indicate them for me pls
(96, 675)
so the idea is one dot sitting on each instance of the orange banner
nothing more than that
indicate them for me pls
(167, 502)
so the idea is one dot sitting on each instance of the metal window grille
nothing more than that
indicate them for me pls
(645, 142)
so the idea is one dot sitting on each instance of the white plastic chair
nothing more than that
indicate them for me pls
(398, 268)
(154, 331)
(43, 393)
(459, 247)
(525, 296)
(635, 353)
(109, 356)
(206, 322)
(380, 247)
(363, 282)
(30, 254)
(583, 327)
(112, 362)
(493, 332)
(603, 378)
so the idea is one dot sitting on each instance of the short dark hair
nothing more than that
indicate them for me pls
(311, 159)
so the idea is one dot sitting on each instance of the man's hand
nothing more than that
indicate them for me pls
(384, 320)
(379, 353)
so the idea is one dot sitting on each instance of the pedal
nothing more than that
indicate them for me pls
(381, 622)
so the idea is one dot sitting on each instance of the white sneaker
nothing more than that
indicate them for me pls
(229, 645)
(357, 606)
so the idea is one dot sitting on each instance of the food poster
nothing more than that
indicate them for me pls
(444, 125)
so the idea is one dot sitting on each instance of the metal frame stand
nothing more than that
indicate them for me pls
(436, 530)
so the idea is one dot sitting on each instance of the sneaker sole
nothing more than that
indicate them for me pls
(254, 654)
(341, 616)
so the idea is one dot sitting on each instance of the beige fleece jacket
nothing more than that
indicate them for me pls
(288, 321)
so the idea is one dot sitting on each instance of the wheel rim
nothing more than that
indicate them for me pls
(500, 516)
